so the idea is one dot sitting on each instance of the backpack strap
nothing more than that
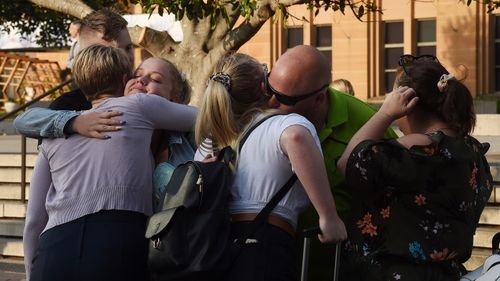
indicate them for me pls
(251, 129)
(261, 217)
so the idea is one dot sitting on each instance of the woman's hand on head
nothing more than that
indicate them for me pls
(332, 229)
(399, 103)
(94, 124)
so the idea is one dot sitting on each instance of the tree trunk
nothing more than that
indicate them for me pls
(74, 8)
(201, 47)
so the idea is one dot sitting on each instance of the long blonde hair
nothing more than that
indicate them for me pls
(227, 108)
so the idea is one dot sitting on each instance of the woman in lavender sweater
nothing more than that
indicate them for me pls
(89, 199)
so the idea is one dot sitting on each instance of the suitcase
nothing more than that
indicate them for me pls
(495, 244)
(490, 269)
(308, 233)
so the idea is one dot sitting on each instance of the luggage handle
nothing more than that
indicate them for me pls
(495, 244)
(307, 234)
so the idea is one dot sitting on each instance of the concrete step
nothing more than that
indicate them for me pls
(490, 216)
(477, 258)
(11, 247)
(14, 160)
(13, 174)
(494, 168)
(12, 191)
(484, 234)
(12, 144)
(12, 209)
(12, 228)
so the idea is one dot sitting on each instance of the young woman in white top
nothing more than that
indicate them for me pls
(235, 99)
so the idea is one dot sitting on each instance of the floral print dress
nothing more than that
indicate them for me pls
(415, 210)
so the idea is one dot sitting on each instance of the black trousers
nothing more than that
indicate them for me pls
(105, 246)
(269, 255)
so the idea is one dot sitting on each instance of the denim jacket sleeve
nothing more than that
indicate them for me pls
(43, 122)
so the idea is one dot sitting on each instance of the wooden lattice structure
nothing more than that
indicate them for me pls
(23, 78)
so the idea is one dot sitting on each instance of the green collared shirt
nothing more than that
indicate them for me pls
(346, 115)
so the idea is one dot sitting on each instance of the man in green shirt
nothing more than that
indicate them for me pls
(299, 83)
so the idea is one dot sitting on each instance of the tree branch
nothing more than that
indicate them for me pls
(248, 28)
(74, 8)
(288, 3)
(222, 28)
(158, 43)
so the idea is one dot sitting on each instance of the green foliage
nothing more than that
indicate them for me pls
(27, 17)
(198, 9)
(491, 4)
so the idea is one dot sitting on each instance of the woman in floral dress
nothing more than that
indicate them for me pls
(417, 199)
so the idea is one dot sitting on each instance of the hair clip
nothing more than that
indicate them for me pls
(443, 81)
(222, 78)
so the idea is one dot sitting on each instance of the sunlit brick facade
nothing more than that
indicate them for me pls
(366, 52)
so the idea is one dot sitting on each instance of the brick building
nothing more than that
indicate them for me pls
(366, 53)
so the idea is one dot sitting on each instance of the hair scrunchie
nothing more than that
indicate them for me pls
(222, 78)
(443, 81)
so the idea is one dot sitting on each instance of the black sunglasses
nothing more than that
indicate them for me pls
(284, 99)
(406, 60)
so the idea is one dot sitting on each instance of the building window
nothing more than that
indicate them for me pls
(324, 40)
(294, 36)
(497, 54)
(426, 37)
(393, 49)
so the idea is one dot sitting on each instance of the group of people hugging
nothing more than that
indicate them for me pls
(404, 208)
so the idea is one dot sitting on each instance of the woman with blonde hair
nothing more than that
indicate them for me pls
(234, 100)
(344, 86)
(90, 199)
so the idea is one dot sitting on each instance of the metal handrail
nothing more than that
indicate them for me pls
(35, 100)
(23, 138)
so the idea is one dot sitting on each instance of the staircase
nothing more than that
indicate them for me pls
(12, 206)
(489, 223)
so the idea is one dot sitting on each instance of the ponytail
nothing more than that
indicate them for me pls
(457, 107)
(216, 120)
(441, 94)
(232, 99)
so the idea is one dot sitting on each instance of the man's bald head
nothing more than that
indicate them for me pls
(303, 66)
(302, 72)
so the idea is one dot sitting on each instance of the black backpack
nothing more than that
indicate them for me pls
(189, 237)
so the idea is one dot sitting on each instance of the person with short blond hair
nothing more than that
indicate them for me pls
(343, 85)
(90, 199)
(99, 70)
